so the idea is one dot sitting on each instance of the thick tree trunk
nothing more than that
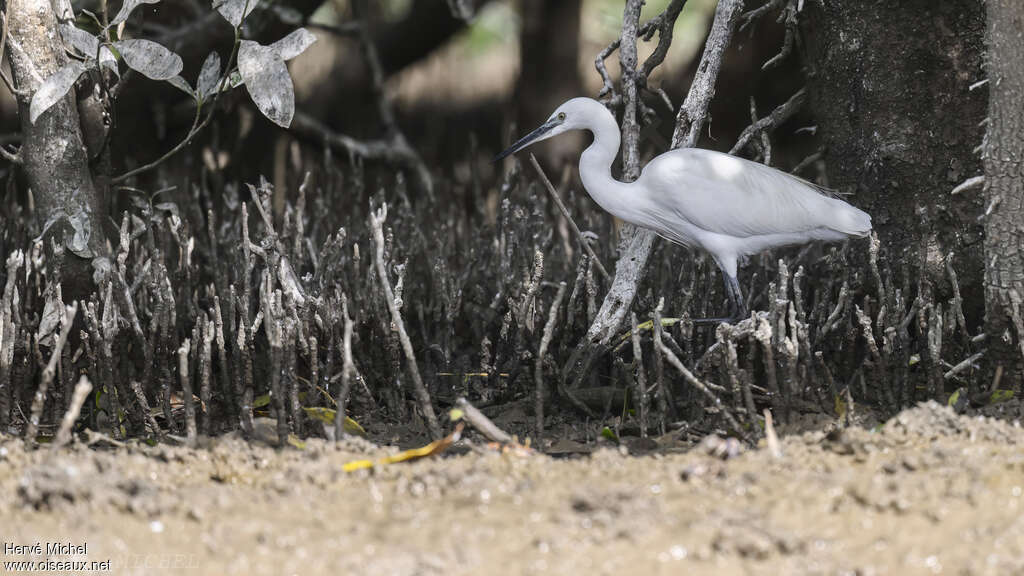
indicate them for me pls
(1004, 154)
(56, 162)
(889, 86)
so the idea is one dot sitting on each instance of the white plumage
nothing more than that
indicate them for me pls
(726, 205)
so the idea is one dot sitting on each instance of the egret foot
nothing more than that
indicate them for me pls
(726, 320)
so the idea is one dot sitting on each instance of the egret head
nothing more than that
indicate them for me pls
(572, 115)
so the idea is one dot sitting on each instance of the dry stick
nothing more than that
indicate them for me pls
(528, 307)
(729, 363)
(206, 353)
(538, 371)
(705, 390)
(935, 348)
(82, 389)
(789, 15)
(482, 423)
(628, 64)
(273, 326)
(568, 217)
(140, 396)
(659, 368)
(186, 391)
(39, 400)
(963, 365)
(869, 338)
(770, 122)
(763, 335)
(750, 17)
(7, 335)
(377, 218)
(666, 405)
(663, 24)
(640, 380)
(347, 369)
(958, 301)
(294, 406)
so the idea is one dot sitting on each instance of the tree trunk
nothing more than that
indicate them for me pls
(889, 86)
(1004, 191)
(56, 162)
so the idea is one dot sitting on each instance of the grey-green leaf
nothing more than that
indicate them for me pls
(85, 43)
(181, 84)
(149, 58)
(294, 44)
(126, 10)
(54, 88)
(235, 11)
(88, 45)
(268, 82)
(209, 75)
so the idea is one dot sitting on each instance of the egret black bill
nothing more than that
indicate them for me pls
(529, 138)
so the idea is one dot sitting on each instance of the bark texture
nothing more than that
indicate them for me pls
(889, 85)
(1004, 152)
(56, 163)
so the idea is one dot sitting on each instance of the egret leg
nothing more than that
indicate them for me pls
(737, 308)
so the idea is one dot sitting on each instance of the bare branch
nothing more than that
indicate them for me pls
(568, 217)
(693, 113)
(377, 218)
(973, 183)
(705, 390)
(482, 423)
(772, 121)
(545, 341)
(628, 64)
(39, 400)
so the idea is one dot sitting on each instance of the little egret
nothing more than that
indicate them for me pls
(726, 205)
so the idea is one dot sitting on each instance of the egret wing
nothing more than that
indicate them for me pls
(729, 195)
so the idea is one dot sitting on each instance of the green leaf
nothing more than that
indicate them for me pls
(607, 433)
(955, 397)
(998, 396)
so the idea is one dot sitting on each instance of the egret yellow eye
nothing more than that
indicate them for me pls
(561, 116)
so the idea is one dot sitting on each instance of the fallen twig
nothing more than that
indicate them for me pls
(482, 423)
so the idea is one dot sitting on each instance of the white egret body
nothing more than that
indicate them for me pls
(726, 205)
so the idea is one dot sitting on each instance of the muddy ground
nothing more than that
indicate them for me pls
(928, 492)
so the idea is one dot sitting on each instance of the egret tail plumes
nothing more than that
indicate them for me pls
(851, 220)
(726, 205)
